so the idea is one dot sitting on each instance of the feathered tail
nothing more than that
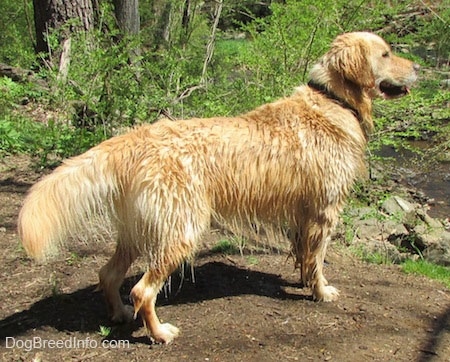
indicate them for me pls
(64, 202)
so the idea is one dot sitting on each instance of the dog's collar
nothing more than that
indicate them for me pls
(327, 93)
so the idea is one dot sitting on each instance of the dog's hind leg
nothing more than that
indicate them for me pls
(169, 236)
(161, 265)
(143, 296)
(111, 277)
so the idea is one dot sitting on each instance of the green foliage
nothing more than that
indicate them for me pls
(226, 246)
(428, 269)
(16, 34)
(14, 93)
(122, 80)
(286, 44)
(436, 30)
(73, 259)
(230, 246)
(49, 142)
(104, 331)
(282, 46)
(252, 260)
(115, 81)
(372, 257)
(422, 115)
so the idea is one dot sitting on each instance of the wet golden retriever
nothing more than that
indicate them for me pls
(291, 162)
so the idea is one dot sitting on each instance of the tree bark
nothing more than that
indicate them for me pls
(160, 23)
(50, 15)
(127, 15)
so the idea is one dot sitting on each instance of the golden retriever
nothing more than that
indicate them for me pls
(291, 162)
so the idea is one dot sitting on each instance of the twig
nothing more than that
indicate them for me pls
(187, 92)
(211, 41)
(209, 53)
(433, 12)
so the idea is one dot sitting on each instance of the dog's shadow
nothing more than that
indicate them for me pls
(84, 310)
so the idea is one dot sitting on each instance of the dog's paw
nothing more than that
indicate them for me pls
(124, 315)
(327, 293)
(165, 333)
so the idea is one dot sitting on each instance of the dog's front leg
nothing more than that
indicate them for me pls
(322, 291)
(309, 247)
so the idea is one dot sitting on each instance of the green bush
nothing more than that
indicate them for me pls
(49, 143)
(15, 33)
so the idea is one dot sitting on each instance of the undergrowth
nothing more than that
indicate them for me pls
(48, 143)
(433, 271)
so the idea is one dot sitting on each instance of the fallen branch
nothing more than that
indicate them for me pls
(15, 73)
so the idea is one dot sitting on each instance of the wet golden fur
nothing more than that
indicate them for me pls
(290, 162)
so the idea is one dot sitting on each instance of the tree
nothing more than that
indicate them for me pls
(50, 15)
(160, 22)
(127, 15)
(59, 19)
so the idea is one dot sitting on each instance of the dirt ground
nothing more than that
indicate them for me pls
(239, 308)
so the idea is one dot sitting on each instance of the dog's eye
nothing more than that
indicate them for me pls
(386, 54)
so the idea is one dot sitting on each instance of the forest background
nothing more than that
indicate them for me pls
(77, 72)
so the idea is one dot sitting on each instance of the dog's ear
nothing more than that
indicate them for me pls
(349, 57)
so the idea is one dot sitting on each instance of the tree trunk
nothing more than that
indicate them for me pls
(50, 15)
(127, 15)
(160, 22)
(186, 23)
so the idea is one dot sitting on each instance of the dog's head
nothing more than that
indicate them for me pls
(367, 61)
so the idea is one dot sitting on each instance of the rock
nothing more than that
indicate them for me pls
(362, 212)
(366, 228)
(444, 156)
(370, 224)
(408, 227)
(396, 204)
(432, 223)
(439, 252)
(395, 228)
(433, 239)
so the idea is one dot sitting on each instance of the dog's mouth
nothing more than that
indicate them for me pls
(389, 90)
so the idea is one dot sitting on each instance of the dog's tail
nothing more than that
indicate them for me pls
(63, 203)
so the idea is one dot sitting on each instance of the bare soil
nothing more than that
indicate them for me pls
(239, 308)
